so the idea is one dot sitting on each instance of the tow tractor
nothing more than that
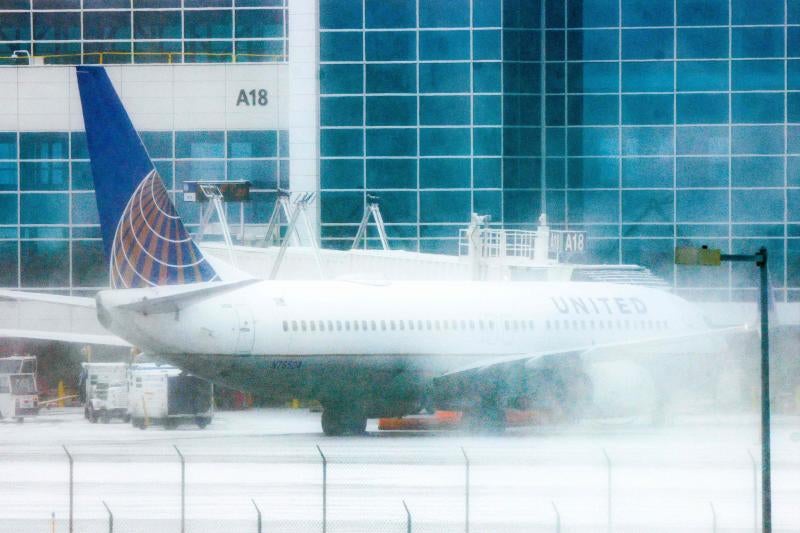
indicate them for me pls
(18, 394)
(104, 388)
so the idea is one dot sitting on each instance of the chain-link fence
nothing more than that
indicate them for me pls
(354, 485)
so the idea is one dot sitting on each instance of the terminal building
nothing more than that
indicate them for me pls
(646, 123)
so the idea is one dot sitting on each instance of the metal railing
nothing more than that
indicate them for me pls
(119, 57)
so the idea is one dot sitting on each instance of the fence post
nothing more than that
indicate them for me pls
(755, 490)
(258, 511)
(558, 517)
(713, 518)
(183, 489)
(71, 488)
(608, 476)
(110, 518)
(324, 490)
(466, 490)
(408, 518)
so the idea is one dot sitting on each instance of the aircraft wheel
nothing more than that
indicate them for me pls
(202, 421)
(92, 415)
(126, 418)
(343, 420)
(104, 417)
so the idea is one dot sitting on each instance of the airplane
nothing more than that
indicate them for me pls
(365, 349)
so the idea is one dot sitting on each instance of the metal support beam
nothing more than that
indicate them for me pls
(71, 488)
(183, 489)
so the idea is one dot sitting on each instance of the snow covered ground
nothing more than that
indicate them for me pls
(662, 479)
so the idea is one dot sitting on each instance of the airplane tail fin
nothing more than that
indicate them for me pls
(145, 241)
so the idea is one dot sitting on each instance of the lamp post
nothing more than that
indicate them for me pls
(705, 256)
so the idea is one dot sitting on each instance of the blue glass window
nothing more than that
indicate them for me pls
(702, 12)
(84, 209)
(82, 176)
(392, 142)
(555, 78)
(449, 44)
(521, 173)
(391, 111)
(8, 145)
(8, 208)
(486, 13)
(696, 43)
(16, 27)
(647, 172)
(592, 141)
(793, 110)
(193, 170)
(486, 172)
(488, 141)
(399, 207)
(592, 45)
(647, 141)
(444, 206)
(341, 142)
(391, 78)
(521, 45)
(647, 44)
(593, 77)
(55, 26)
(486, 77)
(258, 23)
(702, 75)
(709, 140)
(521, 141)
(42, 263)
(199, 144)
(554, 45)
(757, 205)
(157, 143)
(391, 46)
(757, 171)
(341, 79)
(647, 76)
(760, 74)
(107, 52)
(207, 51)
(488, 202)
(158, 52)
(207, 24)
(519, 77)
(340, 46)
(8, 176)
(391, 13)
(392, 173)
(701, 172)
(593, 110)
(261, 174)
(647, 109)
(44, 145)
(793, 12)
(448, 173)
(444, 77)
(647, 206)
(44, 176)
(593, 207)
(758, 12)
(757, 140)
(592, 13)
(593, 173)
(444, 141)
(44, 208)
(438, 14)
(486, 110)
(252, 144)
(757, 42)
(88, 264)
(753, 108)
(342, 173)
(702, 108)
(340, 14)
(106, 25)
(341, 111)
(259, 51)
(793, 41)
(486, 44)
(443, 110)
(699, 205)
(647, 12)
(157, 24)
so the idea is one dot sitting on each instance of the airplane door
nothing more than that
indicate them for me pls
(246, 334)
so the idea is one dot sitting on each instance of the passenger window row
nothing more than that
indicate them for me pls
(466, 325)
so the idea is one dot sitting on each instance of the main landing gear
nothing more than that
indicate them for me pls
(340, 419)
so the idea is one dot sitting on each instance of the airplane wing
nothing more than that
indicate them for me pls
(23, 296)
(64, 336)
(512, 370)
(56, 304)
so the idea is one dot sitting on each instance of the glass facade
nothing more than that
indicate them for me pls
(49, 229)
(144, 31)
(647, 123)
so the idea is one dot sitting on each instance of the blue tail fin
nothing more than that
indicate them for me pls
(144, 239)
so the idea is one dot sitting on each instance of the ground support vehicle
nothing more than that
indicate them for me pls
(104, 387)
(164, 395)
(18, 394)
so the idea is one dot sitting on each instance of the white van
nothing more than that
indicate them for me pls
(18, 394)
